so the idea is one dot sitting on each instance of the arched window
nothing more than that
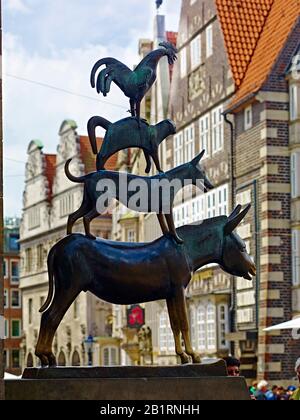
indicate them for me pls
(211, 327)
(76, 359)
(223, 326)
(62, 359)
(110, 356)
(201, 328)
(29, 362)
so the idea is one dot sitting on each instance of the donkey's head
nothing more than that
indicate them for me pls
(235, 259)
(198, 174)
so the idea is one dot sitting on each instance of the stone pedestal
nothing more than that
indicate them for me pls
(178, 383)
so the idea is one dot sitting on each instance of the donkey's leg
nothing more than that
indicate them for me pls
(163, 224)
(81, 212)
(87, 220)
(175, 325)
(172, 228)
(180, 303)
(50, 322)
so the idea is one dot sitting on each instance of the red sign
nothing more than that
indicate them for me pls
(135, 317)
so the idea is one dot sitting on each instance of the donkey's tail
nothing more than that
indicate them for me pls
(79, 180)
(50, 263)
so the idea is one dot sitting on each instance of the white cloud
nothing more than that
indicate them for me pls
(16, 5)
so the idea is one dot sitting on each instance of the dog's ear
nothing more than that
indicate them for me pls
(197, 159)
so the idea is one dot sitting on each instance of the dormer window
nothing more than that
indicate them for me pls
(248, 117)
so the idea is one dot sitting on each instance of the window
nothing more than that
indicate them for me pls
(166, 340)
(295, 174)
(293, 102)
(223, 326)
(30, 307)
(193, 327)
(110, 356)
(15, 271)
(201, 327)
(40, 256)
(217, 130)
(131, 235)
(28, 253)
(15, 299)
(209, 41)
(5, 273)
(15, 358)
(189, 141)
(296, 257)
(196, 52)
(34, 218)
(205, 134)
(6, 301)
(14, 242)
(15, 328)
(6, 359)
(183, 63)
(248, 120)
(211, 327)
(76, 309)
(6, 329)
(178, 151)
(66, 205)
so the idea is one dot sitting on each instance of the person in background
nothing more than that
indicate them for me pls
(262, 389)
(296, 395)
(290, 391)
(272, 395)
(233, 366)
(253, 388)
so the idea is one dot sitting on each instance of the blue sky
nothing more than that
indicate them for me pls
(56, 42)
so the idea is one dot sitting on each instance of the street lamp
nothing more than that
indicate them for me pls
(89, 346)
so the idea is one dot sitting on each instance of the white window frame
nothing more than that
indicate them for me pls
(295, 174)
(248, 122)
(193, 326)
(189, 143)
(5, 268)
(293, 102)
(14, 280)
(209, 41)
(178, 149)
(205, 135)
(131, 235)
(223, 325)
(11, 326)
(6, 298)
(19, 298)
(201, 328)
(34, 218)
(183, 63)
(6, 329)
(211, 327)
(217, 129)
(296, 257)
(196, 55)
(166, 339)
(113, 360)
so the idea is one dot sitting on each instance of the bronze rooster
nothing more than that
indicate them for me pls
(134, 83)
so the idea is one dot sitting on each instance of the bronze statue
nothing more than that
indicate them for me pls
(134, 83)
(125, 274)
(124, 135)
(188, 174)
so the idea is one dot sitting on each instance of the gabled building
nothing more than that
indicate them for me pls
(49, 198)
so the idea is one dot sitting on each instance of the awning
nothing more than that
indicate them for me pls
(290, 325)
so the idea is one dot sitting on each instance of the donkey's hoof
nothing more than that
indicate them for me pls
(185, 360)
(196, 358)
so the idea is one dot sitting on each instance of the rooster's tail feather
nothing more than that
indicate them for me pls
(103, 62)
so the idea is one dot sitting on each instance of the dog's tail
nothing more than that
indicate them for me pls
(79, 180)
(50, 263)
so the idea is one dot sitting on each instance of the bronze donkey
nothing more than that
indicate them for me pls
(126, 274)
(188, 174)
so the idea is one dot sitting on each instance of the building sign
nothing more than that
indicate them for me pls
(135, 317)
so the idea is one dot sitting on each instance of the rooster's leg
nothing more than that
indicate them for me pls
(132, 107)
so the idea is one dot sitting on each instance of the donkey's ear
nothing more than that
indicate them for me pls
(233, 223)
(235, 212)
(197, 159)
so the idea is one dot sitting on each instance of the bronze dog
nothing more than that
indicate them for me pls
(126, 274)
(191, 172)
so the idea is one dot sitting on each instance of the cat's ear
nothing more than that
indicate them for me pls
(198, 158)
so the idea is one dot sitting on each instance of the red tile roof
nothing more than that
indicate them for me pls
(50, 171)
(89, 159)
(279, 23)
(242, 22)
